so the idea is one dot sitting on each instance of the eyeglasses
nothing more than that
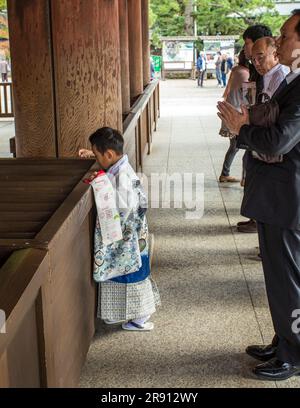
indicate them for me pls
(261, 58)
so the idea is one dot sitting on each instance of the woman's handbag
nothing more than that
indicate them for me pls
(266, 115)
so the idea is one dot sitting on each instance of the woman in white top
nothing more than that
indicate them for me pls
(233, 95)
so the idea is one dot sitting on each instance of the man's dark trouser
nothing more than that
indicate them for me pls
(230, 155)
(280, 251)
(201, 75)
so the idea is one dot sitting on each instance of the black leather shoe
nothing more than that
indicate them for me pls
(276, 370)
(262, 353)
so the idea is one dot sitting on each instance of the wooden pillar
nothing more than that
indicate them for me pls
(124, 50)
(32, 78)
(66, 73)
(146, 42)
(135, 48)
(86, 45)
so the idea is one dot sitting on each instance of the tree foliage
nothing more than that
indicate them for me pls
(234, 16)
(224, 17)
(2, 5)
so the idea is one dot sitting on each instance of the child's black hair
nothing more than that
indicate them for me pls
(107, 138)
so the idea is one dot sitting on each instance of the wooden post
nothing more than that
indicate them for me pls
(135, 48)
(124, 50)
(66, 73)
(146, 42)
(86, 45)
(32, 78)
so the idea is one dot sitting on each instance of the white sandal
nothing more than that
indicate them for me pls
(132, 326)
(113, 321)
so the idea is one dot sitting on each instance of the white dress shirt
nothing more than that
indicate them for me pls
(273, 79)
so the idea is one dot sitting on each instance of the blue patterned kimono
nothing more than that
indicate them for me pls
(125, 261)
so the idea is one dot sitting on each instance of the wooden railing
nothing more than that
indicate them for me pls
(46, 244)
(140, 124)
(6, 100)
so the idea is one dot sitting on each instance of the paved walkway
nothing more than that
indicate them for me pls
(211, 283)
(7, 130)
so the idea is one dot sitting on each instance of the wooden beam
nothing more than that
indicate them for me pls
(146, 42)
(135, 48)
(124, 50)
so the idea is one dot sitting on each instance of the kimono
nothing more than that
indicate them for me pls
(122, 269)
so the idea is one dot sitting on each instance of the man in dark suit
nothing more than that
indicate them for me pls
(272, 197)
(250, 36)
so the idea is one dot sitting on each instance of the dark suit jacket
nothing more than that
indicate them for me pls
(272, 191)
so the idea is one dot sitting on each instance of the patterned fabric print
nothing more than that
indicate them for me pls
(118, 301)
(122, 257)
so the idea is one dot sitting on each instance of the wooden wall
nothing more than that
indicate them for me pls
(47, 291)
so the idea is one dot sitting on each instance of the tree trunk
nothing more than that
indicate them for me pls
(189, 19)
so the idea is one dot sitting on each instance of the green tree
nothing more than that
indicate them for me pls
(234, 16)
(167, 19)
(224, 17)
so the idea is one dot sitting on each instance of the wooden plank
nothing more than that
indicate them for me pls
(4, 371)
(18, 227)
(51, 198)
(87, 70)
(23, 353)
(80, 202)
(36, 163)
(14, 244)
(33, 188)
(20, 280)
(19, 235)
(37, 179)
(29, 207)
(72, 300)
(31, 70)
(144, 134)
(33, 216)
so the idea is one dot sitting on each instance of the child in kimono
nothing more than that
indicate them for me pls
(131, 296)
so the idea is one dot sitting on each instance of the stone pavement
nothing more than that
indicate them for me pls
(7, 130)
(211, 282)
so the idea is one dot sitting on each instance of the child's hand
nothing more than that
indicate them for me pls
(85, 153)
(93, 175)
(91, 178)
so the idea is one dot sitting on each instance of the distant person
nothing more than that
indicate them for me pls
(224, 70)
(201, 68)
(152, 70)
(4, 70)
(229, 63)
(218, 61)
(233, 95)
